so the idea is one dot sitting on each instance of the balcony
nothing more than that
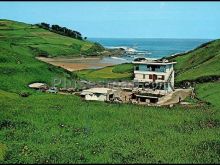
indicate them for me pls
(150, 69)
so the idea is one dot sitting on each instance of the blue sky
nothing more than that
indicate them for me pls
(123, 19)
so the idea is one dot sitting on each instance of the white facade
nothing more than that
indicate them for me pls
(158, 72)
(98, 94)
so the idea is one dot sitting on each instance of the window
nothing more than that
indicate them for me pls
(143, 76)
(150, 76)
(160, 77)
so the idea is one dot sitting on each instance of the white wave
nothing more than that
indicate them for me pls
(127, 49)
(118, 58)
(116, 47)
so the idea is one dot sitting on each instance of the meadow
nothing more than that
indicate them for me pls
(50, 128)
(116, 72)
(54, 128)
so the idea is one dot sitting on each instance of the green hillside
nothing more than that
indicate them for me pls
(54, 128)
(20, 43)
(201, 62)
(44, 42)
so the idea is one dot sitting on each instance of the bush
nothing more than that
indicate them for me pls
(24, 94)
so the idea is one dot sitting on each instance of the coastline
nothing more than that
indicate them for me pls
(76, 63)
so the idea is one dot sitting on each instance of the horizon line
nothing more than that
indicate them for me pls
(150, 38)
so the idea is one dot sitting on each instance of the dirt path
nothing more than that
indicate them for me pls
(173, 97)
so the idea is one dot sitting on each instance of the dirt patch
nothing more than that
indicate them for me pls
(175, 97)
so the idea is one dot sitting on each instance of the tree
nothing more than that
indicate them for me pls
(45, 25)
(55, 27)
(62, 30)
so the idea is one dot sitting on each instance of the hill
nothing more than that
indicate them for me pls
(20, 43)
(43, 42)
(198, 64)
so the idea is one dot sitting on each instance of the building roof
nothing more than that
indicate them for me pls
(37, 85)
(152, 61)
(97, 90)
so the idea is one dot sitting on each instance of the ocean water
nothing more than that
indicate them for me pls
(148, 47)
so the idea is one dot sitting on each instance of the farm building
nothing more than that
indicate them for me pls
(99, 94)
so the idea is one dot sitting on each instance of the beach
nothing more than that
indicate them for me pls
(77, 63)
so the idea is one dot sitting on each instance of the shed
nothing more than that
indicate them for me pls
(99, 94)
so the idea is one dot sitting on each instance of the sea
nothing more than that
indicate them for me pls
(147, 47)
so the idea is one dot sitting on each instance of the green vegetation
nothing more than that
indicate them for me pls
(18, 68)
(117, 72)
(49, 128)
(209, 92)
(123, 68)
(54, 128)
(20, 43)
(43, 42)
(61, 30)
(201, 62)
(2, 151)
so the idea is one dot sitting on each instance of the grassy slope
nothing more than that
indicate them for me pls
(117, 72)
(18, 66)
(41, 40)
(56, 128)
(52, 128)
(202, 62)
(209, 92)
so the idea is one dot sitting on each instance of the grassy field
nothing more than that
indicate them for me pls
(48, 128)
(54, 128)
(117, 72)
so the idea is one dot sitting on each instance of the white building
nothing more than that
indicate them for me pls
(99, 94)
(154, 77)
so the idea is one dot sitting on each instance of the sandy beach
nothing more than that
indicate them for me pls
(76, 63)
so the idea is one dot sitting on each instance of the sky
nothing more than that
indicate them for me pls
(123, 19)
